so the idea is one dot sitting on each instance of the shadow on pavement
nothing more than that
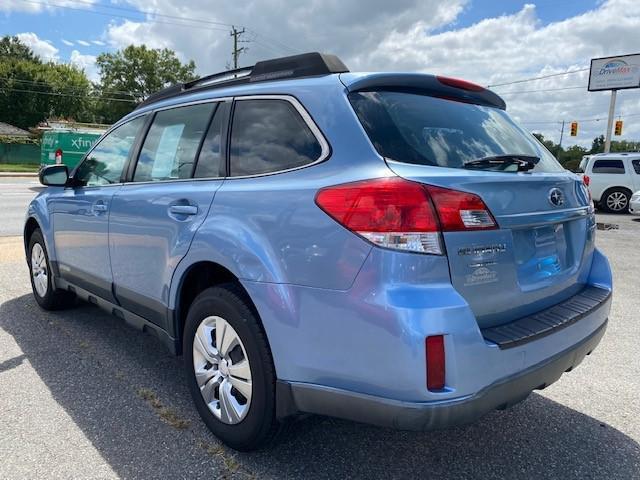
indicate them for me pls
(96, 368)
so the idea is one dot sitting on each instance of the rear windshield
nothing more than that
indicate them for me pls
(425, 130)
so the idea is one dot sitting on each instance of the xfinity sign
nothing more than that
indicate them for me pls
(614, 73)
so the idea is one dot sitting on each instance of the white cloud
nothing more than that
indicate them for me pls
(100, 43)
(67, 42)
(33, 7)
(422, 36)
(84, 43)
(43, 48)
(86, 63)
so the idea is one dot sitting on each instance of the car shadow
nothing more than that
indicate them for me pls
(128, 397)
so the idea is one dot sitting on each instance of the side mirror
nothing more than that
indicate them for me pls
(54, 175)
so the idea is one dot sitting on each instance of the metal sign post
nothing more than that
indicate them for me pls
(612, 109)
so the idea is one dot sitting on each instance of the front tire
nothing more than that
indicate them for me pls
(41, 276)
(615, 200)
(229, 368)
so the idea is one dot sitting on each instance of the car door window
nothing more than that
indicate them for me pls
(636, 166)
(269, 135)
(211, 159)
(170, 148)
(104, 164)
(608, 166)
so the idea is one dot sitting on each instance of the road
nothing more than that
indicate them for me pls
(15, 195)
(84, 396)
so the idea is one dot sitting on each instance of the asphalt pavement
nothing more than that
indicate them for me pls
(15, 195)
(82, 395)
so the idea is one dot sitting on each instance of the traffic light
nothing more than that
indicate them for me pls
(618, 129)
(574, 129)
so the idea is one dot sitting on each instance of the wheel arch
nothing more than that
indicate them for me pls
(30, 226)
(196, 278)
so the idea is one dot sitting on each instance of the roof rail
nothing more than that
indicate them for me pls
(296, 66)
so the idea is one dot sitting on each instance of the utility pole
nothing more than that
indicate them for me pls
(235, 33)
(561, 135)
(612, 109)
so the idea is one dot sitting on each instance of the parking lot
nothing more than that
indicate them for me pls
(84, 396)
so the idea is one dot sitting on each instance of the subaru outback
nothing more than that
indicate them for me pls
(388, 248)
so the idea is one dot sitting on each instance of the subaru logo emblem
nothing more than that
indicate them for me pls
(556, 197)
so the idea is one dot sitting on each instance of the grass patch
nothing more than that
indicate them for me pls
(19, 167)
(165, 413)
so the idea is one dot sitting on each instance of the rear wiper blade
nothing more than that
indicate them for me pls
(524, 162)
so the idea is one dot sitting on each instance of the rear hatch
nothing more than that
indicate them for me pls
(540, 251)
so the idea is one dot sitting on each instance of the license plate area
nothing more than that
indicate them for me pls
(541, 253)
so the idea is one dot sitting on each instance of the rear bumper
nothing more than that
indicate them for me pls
(432, 415)
(634, 207)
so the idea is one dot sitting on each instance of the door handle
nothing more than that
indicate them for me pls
(183, 210)
(99, 207)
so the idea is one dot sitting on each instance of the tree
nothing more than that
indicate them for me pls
(597, 146)
(554, 148)
(32, 91)
(11, 48)
(129, 76)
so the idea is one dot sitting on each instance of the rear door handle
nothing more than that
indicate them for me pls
(183, 210)
(99, 207)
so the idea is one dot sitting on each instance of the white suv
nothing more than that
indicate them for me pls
(612, 178)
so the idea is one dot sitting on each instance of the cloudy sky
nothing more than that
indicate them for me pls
(487, 41)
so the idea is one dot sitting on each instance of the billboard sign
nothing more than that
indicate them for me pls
(614, 73)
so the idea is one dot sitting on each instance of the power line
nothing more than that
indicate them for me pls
(67, 95)
(46, 84)
(215, 25)
(538, 78)
(149, 12)
(108, 14)
(598, 119)
(543, 90)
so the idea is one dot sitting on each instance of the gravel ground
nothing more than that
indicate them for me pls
(84, 396)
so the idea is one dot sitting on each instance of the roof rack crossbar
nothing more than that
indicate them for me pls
(295, 66)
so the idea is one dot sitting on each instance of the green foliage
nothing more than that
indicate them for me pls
(570, 157)
(62, 90)
(138, 71)
(18, 140)
(12, 48)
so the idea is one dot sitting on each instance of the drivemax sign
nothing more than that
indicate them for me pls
(614, 73)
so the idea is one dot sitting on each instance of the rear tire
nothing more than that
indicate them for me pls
(229, 369)
(615, 200)
(41, 276)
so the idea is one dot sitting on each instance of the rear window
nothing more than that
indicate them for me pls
(636, 166)
(425, 130)
(608, 166)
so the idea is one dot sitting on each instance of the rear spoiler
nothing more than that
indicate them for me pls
(436, 86)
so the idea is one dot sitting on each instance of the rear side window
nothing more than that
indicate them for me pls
(420, 129)
(269, 135)
(211, 159)
(169, 151)
(636, 166)
(608, 166)
(104, 164)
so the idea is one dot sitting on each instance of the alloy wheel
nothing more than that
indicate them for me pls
(617, 201)
(222, 370)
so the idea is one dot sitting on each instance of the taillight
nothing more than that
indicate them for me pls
(459, 83)
(403, 215)
(434, 346)
(586, 180)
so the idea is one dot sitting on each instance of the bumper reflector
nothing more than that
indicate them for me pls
(435, 362)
